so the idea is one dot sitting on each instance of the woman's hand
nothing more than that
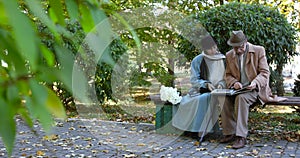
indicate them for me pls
(210, 87)
(219, 86)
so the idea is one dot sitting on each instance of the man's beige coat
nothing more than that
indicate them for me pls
(256, 68)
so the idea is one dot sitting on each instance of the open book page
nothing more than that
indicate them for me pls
(230, 91)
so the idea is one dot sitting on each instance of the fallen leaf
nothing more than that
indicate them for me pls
(255, 152)
(105, 151)
(87, 139)
(201, 149)
(278, 147)
(133, 128)
(51, 137)
(40, 153)
(129, 155)
(240, 155)
(278, 153)
(141, 144)
(228, 146)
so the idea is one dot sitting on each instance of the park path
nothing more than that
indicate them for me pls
(97, 138)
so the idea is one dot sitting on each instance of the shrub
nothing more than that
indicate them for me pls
(296, 88)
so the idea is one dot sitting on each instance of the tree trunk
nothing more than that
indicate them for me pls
(279, 81)
(221, 2)
(171, 70)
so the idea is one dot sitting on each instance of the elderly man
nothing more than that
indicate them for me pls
(246, 67)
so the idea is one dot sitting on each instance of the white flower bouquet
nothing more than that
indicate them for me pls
(170, 94)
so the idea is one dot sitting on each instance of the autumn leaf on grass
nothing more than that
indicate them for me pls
(255, 138)
(292, 139)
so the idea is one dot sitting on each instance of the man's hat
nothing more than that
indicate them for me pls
(237, 38)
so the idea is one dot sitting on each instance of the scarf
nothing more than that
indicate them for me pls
(216, 67)
(217, 56)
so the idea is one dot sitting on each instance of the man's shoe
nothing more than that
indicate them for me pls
(227, 138)
(239, 143)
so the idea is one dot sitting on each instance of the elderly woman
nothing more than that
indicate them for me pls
(197, 111)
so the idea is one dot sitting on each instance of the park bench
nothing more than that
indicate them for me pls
(163, 119)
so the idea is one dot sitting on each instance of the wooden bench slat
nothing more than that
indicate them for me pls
(294, 98)
(290, 101)
(283, 103)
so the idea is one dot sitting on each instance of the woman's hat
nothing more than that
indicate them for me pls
(237, 38)
(207, 42)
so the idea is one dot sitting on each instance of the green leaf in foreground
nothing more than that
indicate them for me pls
(7, 125)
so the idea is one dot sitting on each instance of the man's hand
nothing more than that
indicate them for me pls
(210, 87)
(252, 85)
(237, 85)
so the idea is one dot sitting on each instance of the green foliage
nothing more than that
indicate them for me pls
(104, 72)
(39, 41)
(276, 80)
(72, 44)
(263, 26)
(296, 88)
(153, 31)
(160, 73)
(138, 79)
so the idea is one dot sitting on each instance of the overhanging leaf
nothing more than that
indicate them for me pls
(7, 125)
(37, 104)
(56, 10)
(66, 61)
(36, 9)
(72, 8)
(23, 31)
(54, 105)
(48, 55)
(86, 18)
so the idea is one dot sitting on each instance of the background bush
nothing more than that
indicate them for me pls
(296, 88)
